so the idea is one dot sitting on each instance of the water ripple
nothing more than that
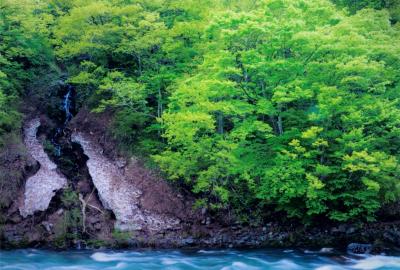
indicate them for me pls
(267, 259)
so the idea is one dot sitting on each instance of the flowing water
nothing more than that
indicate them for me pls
(67, 102)
(203, 259)
(66, 108)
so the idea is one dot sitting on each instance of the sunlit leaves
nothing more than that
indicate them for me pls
(293, 105)
(307, 89)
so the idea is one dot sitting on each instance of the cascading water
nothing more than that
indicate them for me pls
(66, 107)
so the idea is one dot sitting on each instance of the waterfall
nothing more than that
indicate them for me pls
(67, 105)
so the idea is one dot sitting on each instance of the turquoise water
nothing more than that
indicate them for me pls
(30, 259)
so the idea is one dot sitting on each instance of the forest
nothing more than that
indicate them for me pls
(259, 108)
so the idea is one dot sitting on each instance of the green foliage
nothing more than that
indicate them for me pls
(96, 243)
(393, 6)
(49, 148)
(23, 51)
(70, 198)
(274, 105)
(293, 110)
(122, 58)
(70, 226)
(121, 236)
(67, 229)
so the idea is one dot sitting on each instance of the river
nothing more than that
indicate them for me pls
(31, 259)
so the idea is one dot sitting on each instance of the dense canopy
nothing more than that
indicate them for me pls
(256, 107)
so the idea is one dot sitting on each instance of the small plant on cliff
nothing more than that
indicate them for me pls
(49, 148)
(70, 198)
(121, 237)
(72, 222)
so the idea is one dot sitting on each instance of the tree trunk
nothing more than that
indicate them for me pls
(85, 204)
(159, 103)
(220, 120)
(280, 125)
(139, 64)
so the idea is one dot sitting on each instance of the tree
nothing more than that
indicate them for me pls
(295, 81)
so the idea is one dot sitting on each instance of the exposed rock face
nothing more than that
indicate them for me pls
(118, 194)
(41, 187)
